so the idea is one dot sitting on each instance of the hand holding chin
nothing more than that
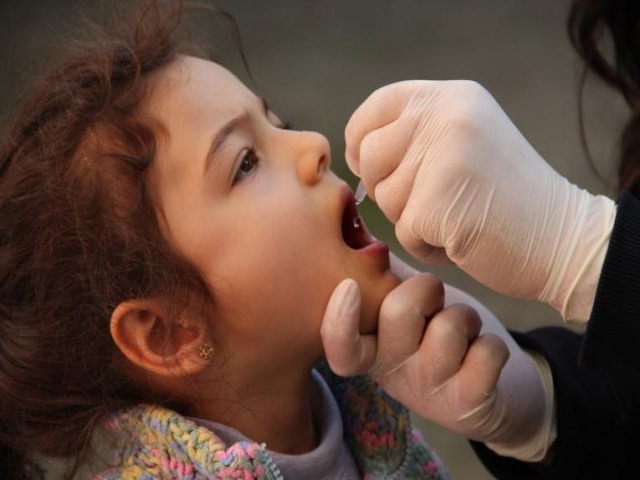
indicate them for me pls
(432, 358)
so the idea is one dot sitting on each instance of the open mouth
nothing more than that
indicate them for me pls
(354, 233)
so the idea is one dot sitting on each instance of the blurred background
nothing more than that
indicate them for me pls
(316, 61)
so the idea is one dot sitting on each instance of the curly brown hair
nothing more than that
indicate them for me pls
(79, 235)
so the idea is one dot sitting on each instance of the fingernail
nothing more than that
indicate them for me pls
(344, 304)
(347, 296)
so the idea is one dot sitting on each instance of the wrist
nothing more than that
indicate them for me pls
(579, 255)
(579, 300)
(536, 447)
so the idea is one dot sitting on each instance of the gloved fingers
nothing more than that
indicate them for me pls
(490, 323)
(403, 317)
(481, 369)
(347, 352)
(445, 343)
(392, 193)
(382, 151)
(381, 108)
(414, 243)
(390, 160)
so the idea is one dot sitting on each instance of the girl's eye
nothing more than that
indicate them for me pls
(248, 164)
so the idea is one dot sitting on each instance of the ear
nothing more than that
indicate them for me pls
(151, 341)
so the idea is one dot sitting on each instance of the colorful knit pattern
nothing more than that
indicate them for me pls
(155, 443)
(379, 433)
(150, 442)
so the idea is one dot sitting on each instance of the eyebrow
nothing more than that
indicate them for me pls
(227, 129)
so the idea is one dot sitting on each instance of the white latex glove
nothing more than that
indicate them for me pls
(447, 166)
(451, 373)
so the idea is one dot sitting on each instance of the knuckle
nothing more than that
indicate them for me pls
(405, 229)
(350, 130)
(402, 225)
(441, 325)
(468, 102)
(466, 311)
(497, 346)
(471, 88)
(388, 201)
(369, 145)
(490, 352)
(430, 284)
(459, 308)
(468, 92)
(464, 316)
(465, 127)
(394, 307)
(421, 232)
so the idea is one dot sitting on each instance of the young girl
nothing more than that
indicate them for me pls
(167, 249)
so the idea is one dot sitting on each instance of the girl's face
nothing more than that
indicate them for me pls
(257, 210)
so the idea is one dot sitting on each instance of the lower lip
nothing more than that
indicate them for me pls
(376, 248)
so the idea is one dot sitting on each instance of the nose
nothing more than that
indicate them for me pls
(314, 156)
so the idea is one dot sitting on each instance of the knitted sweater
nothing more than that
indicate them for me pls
(150, 442)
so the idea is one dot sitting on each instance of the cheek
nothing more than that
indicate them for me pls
(278, 268)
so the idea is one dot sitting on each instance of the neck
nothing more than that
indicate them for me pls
(277, 412)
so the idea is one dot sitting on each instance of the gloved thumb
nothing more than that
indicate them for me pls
(347, 351)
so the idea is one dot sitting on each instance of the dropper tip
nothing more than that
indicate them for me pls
(360, 194)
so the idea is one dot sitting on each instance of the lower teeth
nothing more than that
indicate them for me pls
(357, 222)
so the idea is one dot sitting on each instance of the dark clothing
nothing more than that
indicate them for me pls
(596, 376)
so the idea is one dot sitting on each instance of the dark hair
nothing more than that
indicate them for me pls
(589, 21)
(78, 235)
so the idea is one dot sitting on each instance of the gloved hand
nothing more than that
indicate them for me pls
(447, 166)
(446, 368)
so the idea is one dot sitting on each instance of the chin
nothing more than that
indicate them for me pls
(374, 291)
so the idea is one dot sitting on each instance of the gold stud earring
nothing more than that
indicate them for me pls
(205, 351)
